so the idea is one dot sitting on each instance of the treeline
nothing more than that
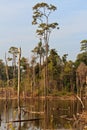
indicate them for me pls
(61, 73)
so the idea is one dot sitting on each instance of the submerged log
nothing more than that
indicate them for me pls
(25, 120)
(33, 112)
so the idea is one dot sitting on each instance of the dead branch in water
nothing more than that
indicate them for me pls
(80, 101)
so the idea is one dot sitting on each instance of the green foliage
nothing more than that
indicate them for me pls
(2, 71)
(68, 68)
(54, 64)
(56, 68)
(82, 57)
(24, 63)
(84, 45)
(13, 50)
(64, 58)
(41, 13)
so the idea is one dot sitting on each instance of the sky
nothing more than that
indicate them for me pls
(16, 27)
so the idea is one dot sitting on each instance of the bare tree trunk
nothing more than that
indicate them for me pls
(19, 54)
(7, 70)
(34, 83)
(46, 69)
(14, 68)
(19, 109)
(77, 84)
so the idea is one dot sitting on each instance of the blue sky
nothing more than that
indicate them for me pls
(16, 28)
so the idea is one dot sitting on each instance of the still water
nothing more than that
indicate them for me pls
(39, 114)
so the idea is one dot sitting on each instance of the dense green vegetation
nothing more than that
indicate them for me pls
(61, 72)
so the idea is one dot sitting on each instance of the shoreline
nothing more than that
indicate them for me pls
(62, 97)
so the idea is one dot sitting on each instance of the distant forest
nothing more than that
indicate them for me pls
(61, 73)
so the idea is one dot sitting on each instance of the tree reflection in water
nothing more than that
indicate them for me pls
(57, 115)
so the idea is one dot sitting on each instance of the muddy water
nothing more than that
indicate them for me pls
(38, 114)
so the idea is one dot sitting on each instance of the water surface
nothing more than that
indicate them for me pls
(38, 114)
